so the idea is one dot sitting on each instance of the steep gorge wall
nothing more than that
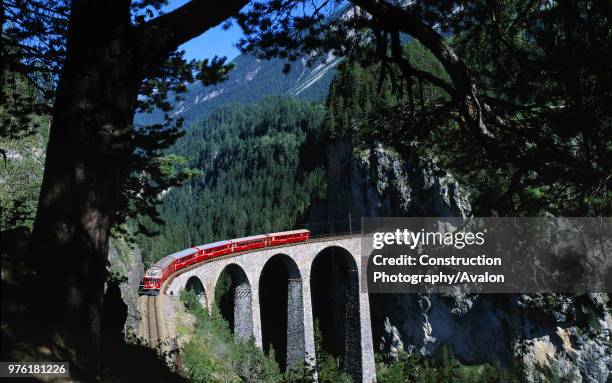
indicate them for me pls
(552, 335)
(379, 182)
(125, 264)
(568, 337)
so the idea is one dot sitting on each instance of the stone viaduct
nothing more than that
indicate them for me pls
(246, 272)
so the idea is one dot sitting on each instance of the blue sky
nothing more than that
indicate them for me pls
(214, 42)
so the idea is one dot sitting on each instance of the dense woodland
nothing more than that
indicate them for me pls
(249, 80)
(250, 175)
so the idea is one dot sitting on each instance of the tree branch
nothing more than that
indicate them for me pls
(165, 33)
(408, 70)
(397, 18)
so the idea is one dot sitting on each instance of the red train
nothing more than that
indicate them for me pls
(161, 270)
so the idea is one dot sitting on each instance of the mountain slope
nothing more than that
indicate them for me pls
(251, 80)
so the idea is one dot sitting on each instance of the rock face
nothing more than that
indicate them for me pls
(555, 336)
(378, 182)
(564, 337)
(570, 335)
(125, 262)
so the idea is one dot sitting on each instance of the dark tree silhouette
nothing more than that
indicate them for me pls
(104, 60)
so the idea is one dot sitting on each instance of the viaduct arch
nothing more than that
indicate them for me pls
(282, 310)
(233, 294)
(195, 284)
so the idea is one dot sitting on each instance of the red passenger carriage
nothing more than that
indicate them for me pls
(249, 243)
(284, 237)
(214, 249)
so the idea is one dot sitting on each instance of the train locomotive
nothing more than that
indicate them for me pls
(157, 274)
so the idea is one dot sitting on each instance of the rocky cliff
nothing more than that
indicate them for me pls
(566, 337)
(555, 337)
(126, 267)
(376, 181)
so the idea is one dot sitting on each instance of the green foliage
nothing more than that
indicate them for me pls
(213, 355)
(224, 283)
(358, 92)
(252, 177)
(214, 71)
(21, 176)
(31, 53)
(524, 171)
(542, 69)
(327, 367)
(409, 368)
(352, 95)
(328, 370)
(301, 373)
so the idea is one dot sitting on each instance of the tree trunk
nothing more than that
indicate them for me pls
(88, 158)
(88, 152)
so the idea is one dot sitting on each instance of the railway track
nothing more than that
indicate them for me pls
(153, 332)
